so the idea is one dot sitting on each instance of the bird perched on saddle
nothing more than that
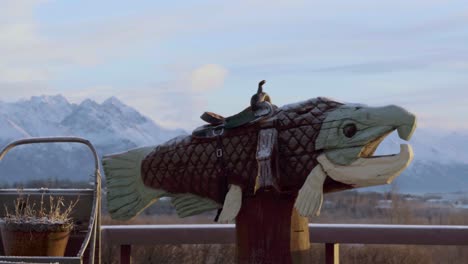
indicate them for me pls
(302, 149)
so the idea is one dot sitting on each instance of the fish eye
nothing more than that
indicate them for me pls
(349, 130)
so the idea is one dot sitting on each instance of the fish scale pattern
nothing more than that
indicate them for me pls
(190, 165)
(184, 166)
(298, 129)
(241, 163)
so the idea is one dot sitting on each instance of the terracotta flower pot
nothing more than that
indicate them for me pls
(26, 239)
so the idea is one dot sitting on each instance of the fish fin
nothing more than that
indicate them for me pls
(187, 204)
(127, 195)
(310, 197)
(232, 204)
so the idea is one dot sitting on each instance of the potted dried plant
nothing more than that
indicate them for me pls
(37, 229)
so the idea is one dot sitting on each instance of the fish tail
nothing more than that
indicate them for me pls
(127, 195)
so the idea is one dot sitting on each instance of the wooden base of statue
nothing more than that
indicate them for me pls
(270, 231)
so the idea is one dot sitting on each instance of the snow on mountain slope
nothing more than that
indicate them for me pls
(10, 130)
(112, 121)
(111, 126)
(39, 115)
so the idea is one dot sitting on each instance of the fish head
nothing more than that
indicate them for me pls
(349, 137)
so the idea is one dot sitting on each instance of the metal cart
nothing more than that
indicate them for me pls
(84, 242)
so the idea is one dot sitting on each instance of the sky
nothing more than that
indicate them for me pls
(172, 60)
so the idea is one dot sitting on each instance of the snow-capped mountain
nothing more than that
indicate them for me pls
(111, 126)
(103, 124)
(112, 121)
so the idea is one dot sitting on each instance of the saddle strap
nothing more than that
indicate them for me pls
(223, 180)
(267, 154)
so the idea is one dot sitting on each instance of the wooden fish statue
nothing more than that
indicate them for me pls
(312, 142)
(299, 151)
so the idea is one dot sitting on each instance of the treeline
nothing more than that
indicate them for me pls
(50, 183)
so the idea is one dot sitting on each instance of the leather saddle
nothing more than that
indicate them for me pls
(260, 108)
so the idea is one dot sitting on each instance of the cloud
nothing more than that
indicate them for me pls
(17, 35)
(176, 103)
(24, 90)
(449, 61)
(333, 36)
(374, 67)
(320, 41)
(22, 74)
(32, 50)
(435, 107)
(443, 123)
(167, 106)
(207, 77)
(97, 93)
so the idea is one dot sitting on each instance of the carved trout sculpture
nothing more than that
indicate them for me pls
(302, 149)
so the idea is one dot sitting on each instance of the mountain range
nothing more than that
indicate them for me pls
(440, 164)
(111, 126)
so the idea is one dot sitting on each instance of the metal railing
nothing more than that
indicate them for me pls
(330, 234)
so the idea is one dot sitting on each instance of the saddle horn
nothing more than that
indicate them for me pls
(260, 86)
(259, 97)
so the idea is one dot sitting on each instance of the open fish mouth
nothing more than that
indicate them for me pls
(369, 149)
(404, 132)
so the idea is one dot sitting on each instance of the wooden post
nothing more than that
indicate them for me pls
(263, 229)
(300, 239)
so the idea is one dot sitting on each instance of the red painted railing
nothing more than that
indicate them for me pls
(330, 234)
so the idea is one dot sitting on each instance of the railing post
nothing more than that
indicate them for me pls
(125, 254)
(332, 253)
